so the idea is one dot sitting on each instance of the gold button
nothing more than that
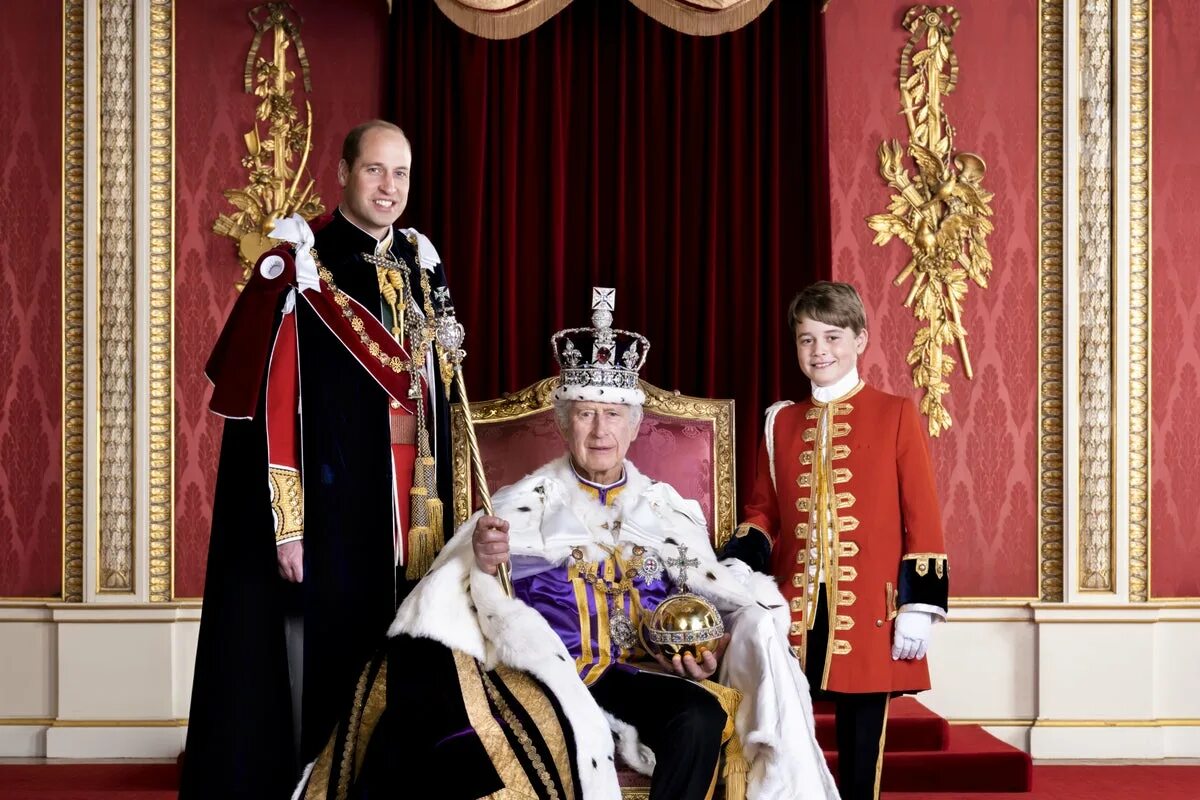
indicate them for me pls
(395, 404)
(878, 623)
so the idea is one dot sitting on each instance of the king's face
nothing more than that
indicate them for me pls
(826, 352)
(375, 186)
(598, 436)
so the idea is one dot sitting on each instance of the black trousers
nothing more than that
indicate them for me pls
(861, 719)
(677, 719)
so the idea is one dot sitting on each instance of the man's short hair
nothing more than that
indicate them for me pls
(353, 141)
(836, 304)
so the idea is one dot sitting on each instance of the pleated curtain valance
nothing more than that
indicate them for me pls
(508, 19)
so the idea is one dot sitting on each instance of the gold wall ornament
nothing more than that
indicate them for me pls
(1051, 273)
(1139, 302)
(161, 313)
(941, 213)
(277, 163)
(73, 331)
(116, 311)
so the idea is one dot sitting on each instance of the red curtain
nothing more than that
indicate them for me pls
(604, 149)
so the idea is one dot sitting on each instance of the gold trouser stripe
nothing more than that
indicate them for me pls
(882, 738)
(491, 736)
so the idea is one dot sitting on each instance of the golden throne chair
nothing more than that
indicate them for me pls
(686, 441)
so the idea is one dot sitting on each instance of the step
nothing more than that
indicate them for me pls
(93, 778)
(972, 761)
(911, 726)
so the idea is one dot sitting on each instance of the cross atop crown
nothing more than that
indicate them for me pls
(611, 373)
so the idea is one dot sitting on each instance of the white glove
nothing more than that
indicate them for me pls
(911, 636)
(740, 569)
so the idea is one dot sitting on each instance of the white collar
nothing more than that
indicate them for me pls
(825, 394)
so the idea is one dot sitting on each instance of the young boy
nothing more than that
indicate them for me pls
(844, 514)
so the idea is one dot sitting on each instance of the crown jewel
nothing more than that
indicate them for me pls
(610, 374)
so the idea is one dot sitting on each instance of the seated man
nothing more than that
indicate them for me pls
(595, 546)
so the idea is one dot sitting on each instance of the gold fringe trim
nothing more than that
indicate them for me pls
(700, 17)
(500, 19)
(508, 19)
(736, 769)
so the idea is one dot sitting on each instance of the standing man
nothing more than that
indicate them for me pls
(334, 457)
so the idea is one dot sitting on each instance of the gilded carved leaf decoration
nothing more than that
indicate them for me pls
(941, 212)
(276, 162)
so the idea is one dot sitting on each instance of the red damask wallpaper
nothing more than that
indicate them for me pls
(986, 464)
(1175, 299)
(31, 123)
(345, 44)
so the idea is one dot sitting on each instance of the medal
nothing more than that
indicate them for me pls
(651, 570)
(620, 627)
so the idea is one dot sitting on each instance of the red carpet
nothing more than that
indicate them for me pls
(1091, 783)
(156, 782)
(924, 758)
(923, 753)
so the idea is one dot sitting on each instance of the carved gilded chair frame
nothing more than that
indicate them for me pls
(536, 398)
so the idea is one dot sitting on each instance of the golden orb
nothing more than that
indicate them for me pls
(685, 623)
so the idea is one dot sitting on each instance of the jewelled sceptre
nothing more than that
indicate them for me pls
(450, 335)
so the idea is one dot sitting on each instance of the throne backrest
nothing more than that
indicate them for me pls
(685, 441)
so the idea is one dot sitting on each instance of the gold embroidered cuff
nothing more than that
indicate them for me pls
(287, 504)
(924, 560)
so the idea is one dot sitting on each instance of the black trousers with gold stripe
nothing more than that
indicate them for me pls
(861, 718)
(677, 719)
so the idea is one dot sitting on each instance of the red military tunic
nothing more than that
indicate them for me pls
(885, 538)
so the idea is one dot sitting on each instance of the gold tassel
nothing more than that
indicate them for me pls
(736, 769)
(420, 553)
(425, 535)
(436, 528)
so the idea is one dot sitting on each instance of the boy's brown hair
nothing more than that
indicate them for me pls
(833, 303)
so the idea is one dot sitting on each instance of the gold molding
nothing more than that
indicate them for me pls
(51, 722)
(72, 307)
(536, 399)
(1170, 722)
(116, 313)
(162, 300)
(1139, 301)
(119, 723)
(1051, 35)
(1181, 722)
(1096, 541)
